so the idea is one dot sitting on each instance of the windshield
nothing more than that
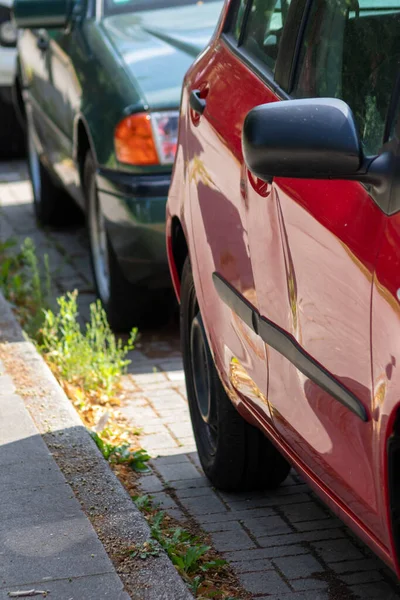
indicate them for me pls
(115, 7)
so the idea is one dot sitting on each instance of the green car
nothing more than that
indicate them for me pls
(101, 83)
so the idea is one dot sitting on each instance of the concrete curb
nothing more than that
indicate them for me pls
(115, 518)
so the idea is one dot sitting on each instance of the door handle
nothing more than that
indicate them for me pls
(197, 104)
(42, 43)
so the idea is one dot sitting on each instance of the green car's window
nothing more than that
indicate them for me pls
(115, 7)
(263, 29)
(351, 51)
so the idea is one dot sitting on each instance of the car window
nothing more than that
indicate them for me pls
(114, 7)
(351, 51)
(263, 29)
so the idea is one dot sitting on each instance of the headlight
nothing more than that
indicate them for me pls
(8, 34)
(147, 138)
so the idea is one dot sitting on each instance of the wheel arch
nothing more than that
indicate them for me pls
(83, 142)
(178, 250)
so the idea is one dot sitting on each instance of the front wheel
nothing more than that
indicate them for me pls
(126, 305)
(235, 456)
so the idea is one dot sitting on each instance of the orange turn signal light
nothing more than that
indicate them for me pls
(134, 141)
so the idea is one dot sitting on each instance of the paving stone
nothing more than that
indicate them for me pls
(297, 538)
(218, 524)
(158, 388)
(164, 501)
(363, 577)
(170, 451)
(178, 472)
(193, 483)
(304, 512)
(336, 550)
(167, 399)
(374, 591)
(194, 457)
(169, 366)
(186, 447)
(266, 501)
(96, 587)
(170, 460)
(263, 553)
(29, 474)
(157, 441)
(329, 523)
(294, 567)
(266, 526)
(301, 585)
(356, 566)
(169, 416)
(229, 540)
(177, 514)
(264, 583)
(181, 430)
(148, 378)
(140, 415)
(203, 505)
(190, 493)
(253, 566)
(150, 484)
(57, 546)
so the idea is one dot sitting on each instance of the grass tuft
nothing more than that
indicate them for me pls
(93, 358)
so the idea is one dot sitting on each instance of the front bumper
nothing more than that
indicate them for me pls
(134, 208)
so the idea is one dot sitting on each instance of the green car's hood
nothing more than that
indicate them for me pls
(157, 47)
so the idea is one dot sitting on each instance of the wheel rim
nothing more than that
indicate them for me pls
(98, 238)
(34, 167)
(201, 369)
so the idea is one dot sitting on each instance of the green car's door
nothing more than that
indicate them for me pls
(64, 93)
(53, 61)
(34, 45)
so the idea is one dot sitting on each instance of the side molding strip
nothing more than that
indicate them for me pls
(286, 345)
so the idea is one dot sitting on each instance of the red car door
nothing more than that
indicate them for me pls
(218, 94)
(313, 257)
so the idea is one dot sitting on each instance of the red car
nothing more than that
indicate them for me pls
(283, 236)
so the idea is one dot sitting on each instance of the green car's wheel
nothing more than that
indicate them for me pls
(126, 305)
(235, 456)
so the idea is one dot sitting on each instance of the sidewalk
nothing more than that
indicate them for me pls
(47, 541)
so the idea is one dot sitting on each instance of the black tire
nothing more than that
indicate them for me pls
(126, 305)
(53, 206)
(235, 456)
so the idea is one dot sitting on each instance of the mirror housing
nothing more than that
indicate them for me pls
(42, 14)
(312, 139)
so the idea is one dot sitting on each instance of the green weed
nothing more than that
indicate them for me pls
(93, 358)
(144, 503)
(185, 550)
(147, 549)
(23, 285)
(136, 459)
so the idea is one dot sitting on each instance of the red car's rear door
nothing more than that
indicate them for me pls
(313, 248)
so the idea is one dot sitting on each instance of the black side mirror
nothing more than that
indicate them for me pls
(311, 138)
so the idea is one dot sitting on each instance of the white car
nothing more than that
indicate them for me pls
(11, 135)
